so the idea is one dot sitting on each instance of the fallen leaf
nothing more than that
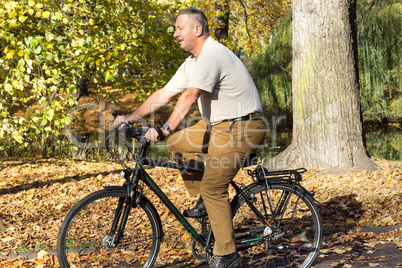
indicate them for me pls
(7, 239)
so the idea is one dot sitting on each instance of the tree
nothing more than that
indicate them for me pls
(327, 123)
(48, 46)
(245, 22)
(379, 31)
(380, 55)
(272, 71)
(222, 20)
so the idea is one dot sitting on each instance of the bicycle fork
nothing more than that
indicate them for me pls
(120, 217)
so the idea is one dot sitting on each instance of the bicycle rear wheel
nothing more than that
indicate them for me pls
(85, 237)
(295, 224)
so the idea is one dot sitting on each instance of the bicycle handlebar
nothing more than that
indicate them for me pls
(126, 129)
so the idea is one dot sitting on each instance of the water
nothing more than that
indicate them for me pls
(383, 142)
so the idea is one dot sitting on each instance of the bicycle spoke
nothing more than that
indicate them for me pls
(88, 242)
(295, 233)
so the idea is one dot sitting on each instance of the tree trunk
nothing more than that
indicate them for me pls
(82, 87)
(327, 124)
(222, 20)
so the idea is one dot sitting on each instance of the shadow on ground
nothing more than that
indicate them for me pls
(383, 255)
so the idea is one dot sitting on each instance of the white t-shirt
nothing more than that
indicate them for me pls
(228, 89)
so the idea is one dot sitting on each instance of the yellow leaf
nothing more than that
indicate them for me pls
(339, 251)
(46, 14)
(349, 221)
(17, 137)
(10, 55)
(58, 15)
(7, 239)
(186, 236)
(8, 88)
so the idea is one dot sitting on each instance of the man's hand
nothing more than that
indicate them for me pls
(152, 134)
(120, 119)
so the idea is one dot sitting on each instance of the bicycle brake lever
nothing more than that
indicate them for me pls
(161, 135)
(122, 128)
(114, 114)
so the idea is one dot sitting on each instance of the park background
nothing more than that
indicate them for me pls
(66, 65)
(58, 56)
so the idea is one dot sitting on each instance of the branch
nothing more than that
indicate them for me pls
(246, 19)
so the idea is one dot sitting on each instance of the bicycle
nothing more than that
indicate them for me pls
(275, 219)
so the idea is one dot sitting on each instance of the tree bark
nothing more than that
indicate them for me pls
(327, 124)
(82, 87)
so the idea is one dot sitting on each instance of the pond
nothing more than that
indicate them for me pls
(383, 142)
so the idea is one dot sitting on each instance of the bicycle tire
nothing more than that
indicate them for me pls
(301, 233)
(82, 234)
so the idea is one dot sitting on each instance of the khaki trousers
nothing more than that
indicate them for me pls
(226, 145)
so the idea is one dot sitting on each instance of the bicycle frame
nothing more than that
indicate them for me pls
(141, 175)
(134, 193)
(144, 176)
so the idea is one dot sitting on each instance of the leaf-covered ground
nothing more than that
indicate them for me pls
(35, 195)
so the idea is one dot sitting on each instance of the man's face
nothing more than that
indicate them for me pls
(185, 32)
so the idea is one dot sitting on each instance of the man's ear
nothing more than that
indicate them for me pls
(198, 30)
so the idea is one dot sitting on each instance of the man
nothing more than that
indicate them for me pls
(231, 128)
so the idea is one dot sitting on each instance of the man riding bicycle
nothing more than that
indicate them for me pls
(230, 130)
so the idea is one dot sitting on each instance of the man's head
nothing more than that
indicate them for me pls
(197, 17)
(191, 29)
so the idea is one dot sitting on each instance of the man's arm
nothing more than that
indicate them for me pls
(153, 103)
(183, 107)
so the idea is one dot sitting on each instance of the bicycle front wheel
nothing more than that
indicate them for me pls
(295, 235)
(87, 234)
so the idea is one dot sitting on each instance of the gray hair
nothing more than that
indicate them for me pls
(198, 16)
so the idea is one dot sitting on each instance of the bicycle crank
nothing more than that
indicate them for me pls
(198, 252)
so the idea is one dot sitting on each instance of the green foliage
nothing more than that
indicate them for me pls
(380, 56)
(46, 46)
(384, 142)
(249, 20)
(272, 71)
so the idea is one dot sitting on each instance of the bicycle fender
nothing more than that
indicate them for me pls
(254, 184)
(303, 190)
(310, 193)
(246, 189)
(124, 188)
(143, 200)
(110, 188)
